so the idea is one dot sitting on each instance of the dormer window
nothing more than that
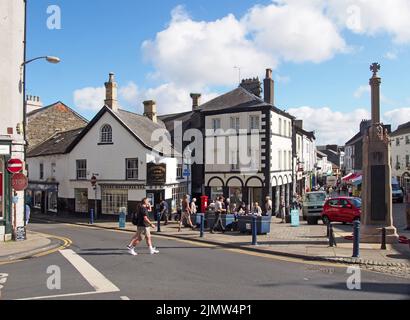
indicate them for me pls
(106, 134)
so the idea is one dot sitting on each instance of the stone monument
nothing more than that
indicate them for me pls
(376, 187)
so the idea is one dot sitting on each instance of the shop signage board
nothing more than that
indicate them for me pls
(156, 174)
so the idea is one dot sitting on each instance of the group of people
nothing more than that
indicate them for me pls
(187, 208)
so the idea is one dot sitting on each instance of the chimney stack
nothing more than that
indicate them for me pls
(196, 101)
(111, 93)
(299, 124)
(150, 110)
(253, 85)
(268, 88)
(33, 103)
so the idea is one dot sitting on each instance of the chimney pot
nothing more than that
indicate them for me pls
(196, 100)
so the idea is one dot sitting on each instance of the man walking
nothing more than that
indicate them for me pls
(143, 224)
(218, 215)
(186, 213)
(268, 206)
(164, 211)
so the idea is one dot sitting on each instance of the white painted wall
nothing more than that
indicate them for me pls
(11, 94)
(399, 152)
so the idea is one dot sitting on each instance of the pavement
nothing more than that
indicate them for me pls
(306, 242)
(35, 245)
(97, 266)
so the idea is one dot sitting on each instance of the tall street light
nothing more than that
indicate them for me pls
(22, 87)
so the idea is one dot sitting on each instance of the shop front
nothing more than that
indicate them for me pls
(5, 223)
(43, 197)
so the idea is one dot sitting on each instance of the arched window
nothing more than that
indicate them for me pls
(106, 134)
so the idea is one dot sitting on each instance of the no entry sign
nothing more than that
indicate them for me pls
(19, 182)
(14, 165)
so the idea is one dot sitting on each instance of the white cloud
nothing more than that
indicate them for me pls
(365, 89)
(198, 53)
(169, 97)
(373, 17)
(202, 53)
(391, 55)
(396, 117)
(334, 127)
(294, 31)
(330, 126)
(89, 98)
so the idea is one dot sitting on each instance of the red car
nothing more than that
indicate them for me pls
(342, 209)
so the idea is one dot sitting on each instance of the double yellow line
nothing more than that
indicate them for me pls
(66, 243)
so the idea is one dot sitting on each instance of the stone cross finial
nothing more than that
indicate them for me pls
(375, 67)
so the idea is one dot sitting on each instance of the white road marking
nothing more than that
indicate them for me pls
(125, 298)
(100, 283)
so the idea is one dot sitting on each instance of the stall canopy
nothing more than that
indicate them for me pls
(357, 180)
(352, 177)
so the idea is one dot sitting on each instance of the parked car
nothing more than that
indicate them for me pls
(313, 203)
(342, 209)
(397, 192)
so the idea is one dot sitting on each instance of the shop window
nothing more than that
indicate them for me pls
(113, 200)
(37, 199)
(52, 201)
(216, 192)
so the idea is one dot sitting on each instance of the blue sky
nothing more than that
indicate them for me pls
(322, 76)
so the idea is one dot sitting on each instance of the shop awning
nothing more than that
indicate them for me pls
(357, 180)
(352, 177)
(346, 178)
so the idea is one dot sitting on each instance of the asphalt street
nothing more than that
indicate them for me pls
(97, 266)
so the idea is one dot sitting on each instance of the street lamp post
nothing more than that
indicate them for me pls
(187, 156)
(22, 86)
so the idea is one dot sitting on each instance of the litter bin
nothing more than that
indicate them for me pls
(123, 217)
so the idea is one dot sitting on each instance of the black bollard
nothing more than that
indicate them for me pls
(332, 241)
(92, 216)
(202, 225)
(356, 239)
(159, 222)
(383, 247)
(254, 231)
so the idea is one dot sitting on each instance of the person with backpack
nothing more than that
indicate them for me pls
(164, 211)
(141, 220)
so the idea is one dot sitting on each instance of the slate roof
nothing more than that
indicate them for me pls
(309, 134)
(402, 129)
(57, 144)
(139, 126)
(238, 98)
(56, 104)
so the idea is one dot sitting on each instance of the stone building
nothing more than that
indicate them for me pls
(58, 117)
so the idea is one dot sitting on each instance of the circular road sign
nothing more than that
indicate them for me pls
(14, 165)
(19, 182)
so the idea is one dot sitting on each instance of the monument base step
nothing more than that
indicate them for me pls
(373, 234)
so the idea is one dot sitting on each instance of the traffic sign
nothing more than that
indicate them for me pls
(186, 173)
(19, 182)
(15, 165)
